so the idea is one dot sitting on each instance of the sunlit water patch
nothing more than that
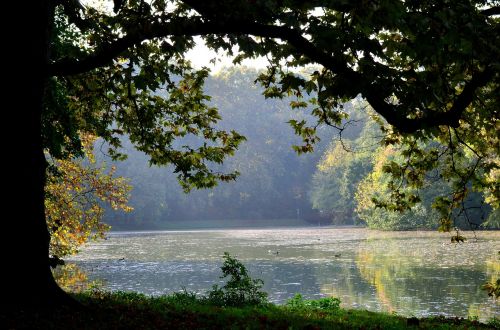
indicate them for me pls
(410, 273)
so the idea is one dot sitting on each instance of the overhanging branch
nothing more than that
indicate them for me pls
(193, 26)
(491, 11)
(105, 54)
(432, 118)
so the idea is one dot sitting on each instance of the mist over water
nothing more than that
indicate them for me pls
(410, 273)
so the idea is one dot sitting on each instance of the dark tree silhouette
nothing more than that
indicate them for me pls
(430, 69)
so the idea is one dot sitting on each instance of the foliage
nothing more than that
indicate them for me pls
(355, 174)
(417, 168)
(493, 289)
(494, 322)
(342, 166)
(76, 192)
(426, 209)
(493, 220)
(375, 186)
(240, 289)
(148, 93)
(185, 298)
(131, 310)
(429, 69)
(273, 182)
(329, 304)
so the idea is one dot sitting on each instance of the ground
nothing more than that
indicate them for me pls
(103, 310)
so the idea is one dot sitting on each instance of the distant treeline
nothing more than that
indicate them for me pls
(334, 185)
(352, 174)
(274, 181)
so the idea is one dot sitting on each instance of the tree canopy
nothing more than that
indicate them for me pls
(430, 69)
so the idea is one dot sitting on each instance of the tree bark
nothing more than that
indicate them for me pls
(27, 277)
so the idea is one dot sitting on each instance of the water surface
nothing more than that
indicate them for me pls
(410, 273)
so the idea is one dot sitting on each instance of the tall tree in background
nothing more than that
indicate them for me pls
(355, 174)
(343, 165)
(429, 68)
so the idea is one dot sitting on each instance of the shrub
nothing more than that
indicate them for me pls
(492, 288)
(240, 289)
(329, 304)
(184, 298)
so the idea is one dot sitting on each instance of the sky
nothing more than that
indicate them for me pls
(200, 56)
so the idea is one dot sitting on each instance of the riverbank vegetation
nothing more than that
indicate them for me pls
(359, 171)
(120, 310)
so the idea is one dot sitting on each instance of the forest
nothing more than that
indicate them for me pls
(273, 183)
(333, 185)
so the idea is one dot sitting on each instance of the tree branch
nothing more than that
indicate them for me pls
(105, 54)
(193, 26)
(395, 115)
(72, 9)
(491, 11)
(432, 118)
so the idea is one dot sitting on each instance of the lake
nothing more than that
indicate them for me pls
(409, 273)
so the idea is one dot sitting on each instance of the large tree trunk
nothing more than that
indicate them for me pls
(27, 278)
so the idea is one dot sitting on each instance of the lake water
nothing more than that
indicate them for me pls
(410, 273)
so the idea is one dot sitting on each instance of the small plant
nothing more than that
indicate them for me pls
(494, 322)
(184, 297)
(240, 289)
(329, 304)
(473, 318)
(297, 302)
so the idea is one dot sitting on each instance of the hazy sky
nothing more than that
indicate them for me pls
(201, 56)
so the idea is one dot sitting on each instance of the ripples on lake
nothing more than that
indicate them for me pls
(411, 273)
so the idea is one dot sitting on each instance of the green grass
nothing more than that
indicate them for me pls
(119, 310)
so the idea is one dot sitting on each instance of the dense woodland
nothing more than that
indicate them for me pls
(353, 171)
(333, 185)
(273, 183)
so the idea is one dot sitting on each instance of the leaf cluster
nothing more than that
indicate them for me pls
(76, 192)
(240, 289)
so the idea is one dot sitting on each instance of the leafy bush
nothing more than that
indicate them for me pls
(184, 298)
(240, 289)
(492, 288)
(329, 304)
(494, 322)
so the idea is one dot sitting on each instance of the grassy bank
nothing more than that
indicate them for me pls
(120, 310)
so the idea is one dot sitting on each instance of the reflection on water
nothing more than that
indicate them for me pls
(411, 273)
